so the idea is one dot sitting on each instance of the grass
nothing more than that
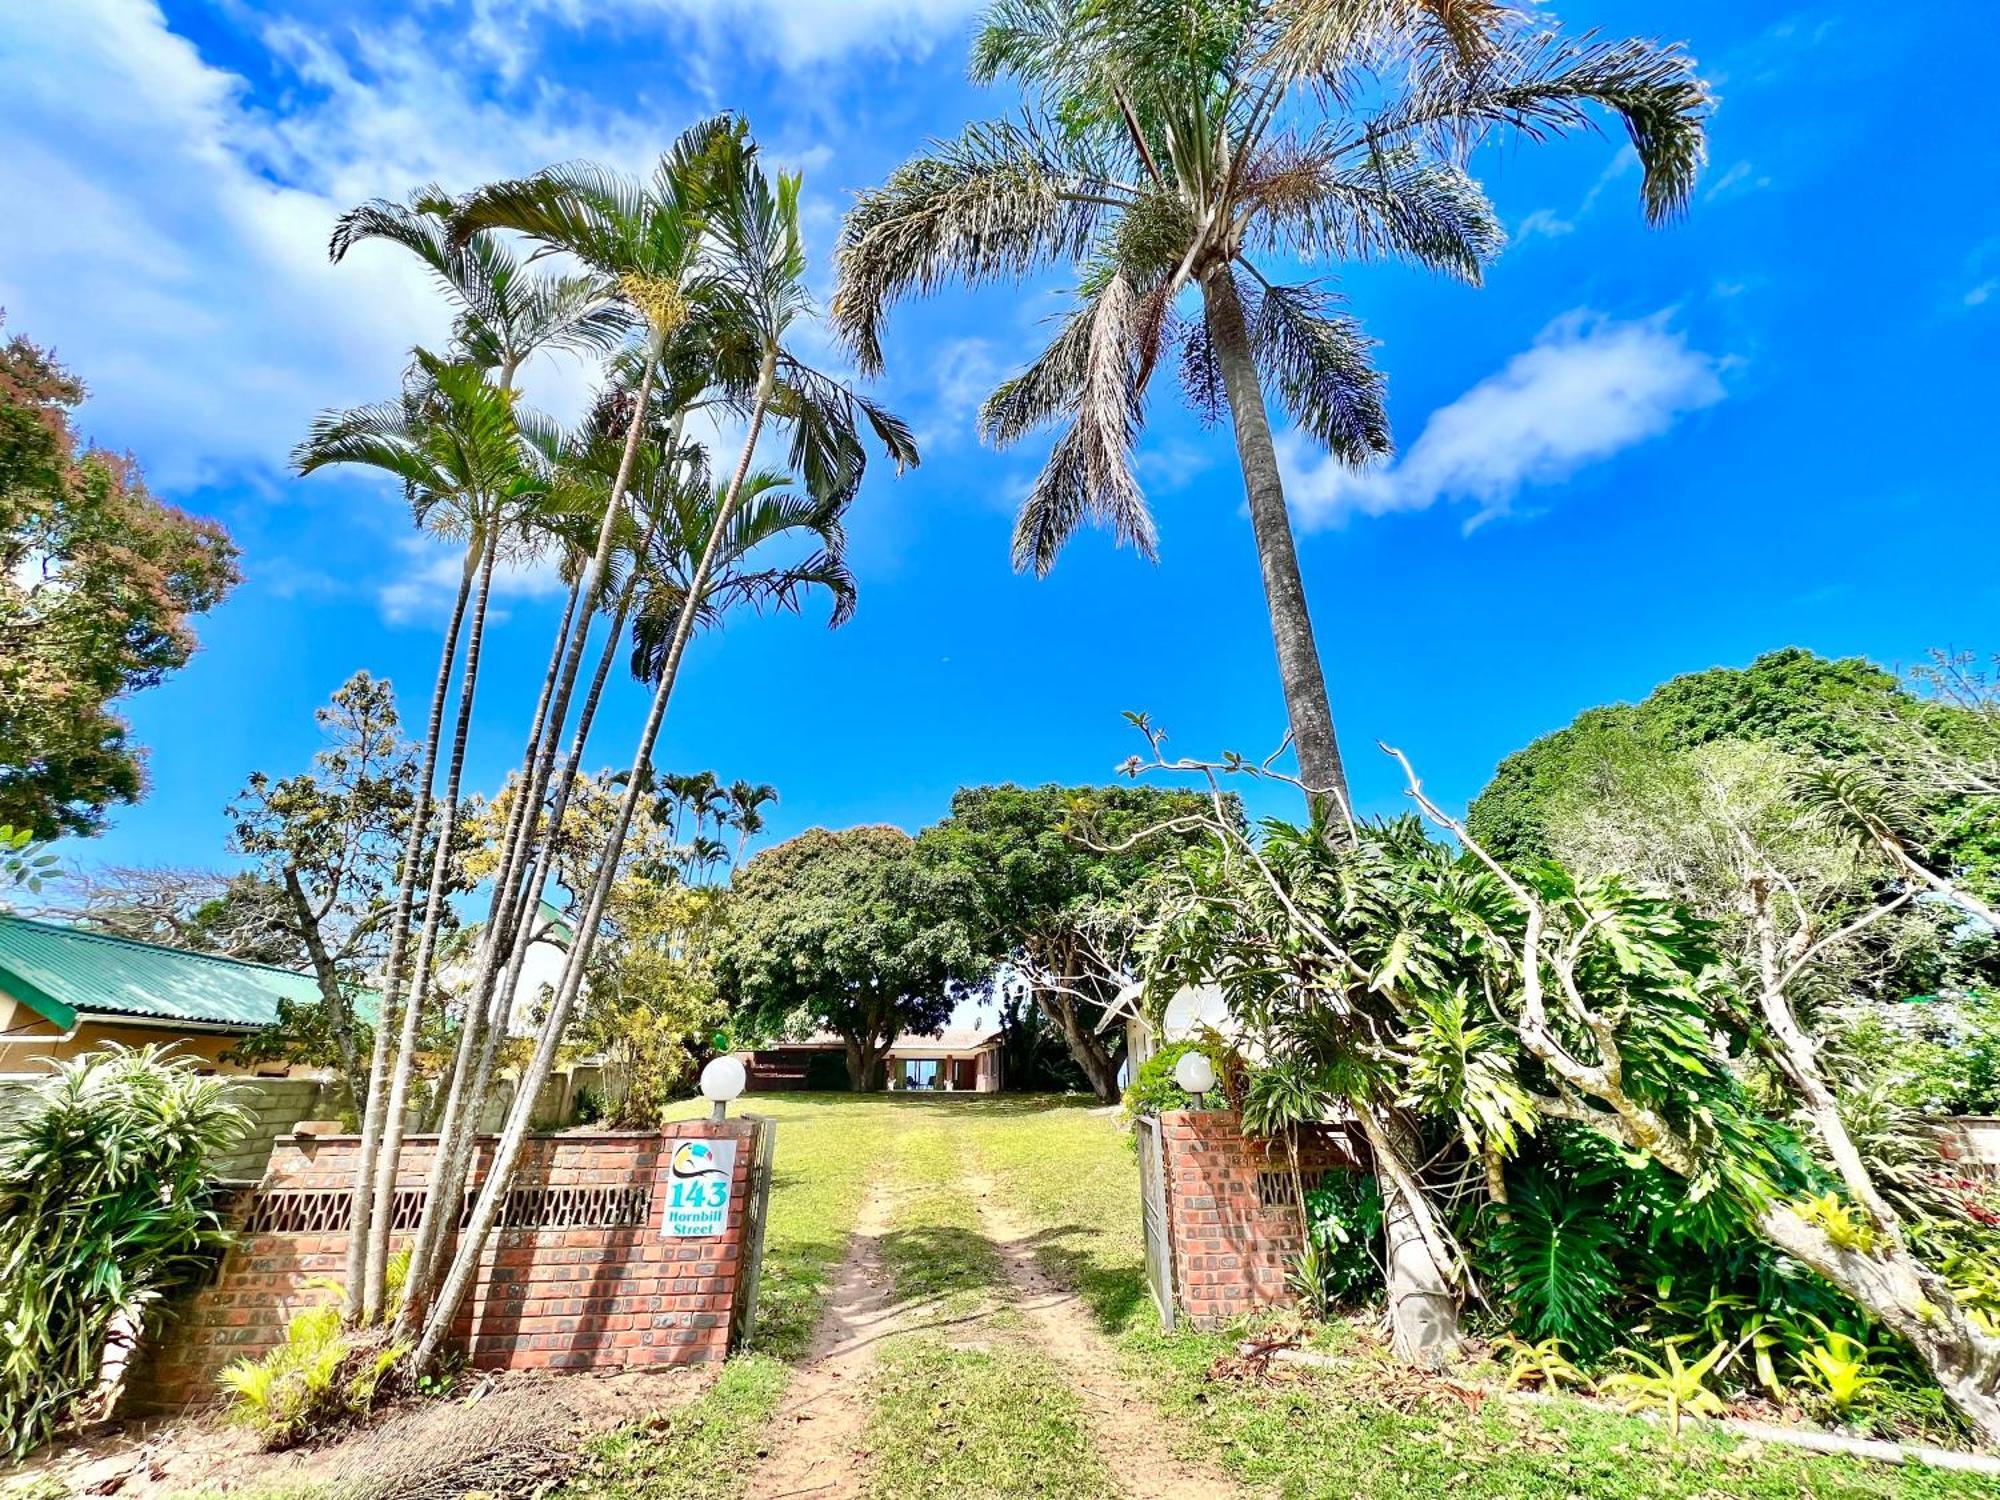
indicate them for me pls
(702, 1451)
(964, 1404)
(953, 1421)
(1070, 1174)
(829, 1148)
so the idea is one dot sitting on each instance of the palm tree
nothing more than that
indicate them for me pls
(504, 315)
(455, 442)
(644, 240)
(754, 284)
(1200, 147)
(747, 802)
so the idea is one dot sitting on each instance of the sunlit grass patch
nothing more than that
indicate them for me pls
(957, 1422)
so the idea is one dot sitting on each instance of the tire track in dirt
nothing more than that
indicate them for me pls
(1123, 1422)
(818, 1447)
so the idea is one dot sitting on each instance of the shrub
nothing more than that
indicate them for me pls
(322, 1377)
(1343, 1227)
(106, 1208)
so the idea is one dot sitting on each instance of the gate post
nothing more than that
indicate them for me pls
(756, 1210)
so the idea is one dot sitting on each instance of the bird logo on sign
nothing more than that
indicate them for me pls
(695, 1159)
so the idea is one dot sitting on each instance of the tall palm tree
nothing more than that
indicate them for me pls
(456, 443)
(755, 281)
(643, 239)
(503, 316)
(747, 801)
(1204, 148)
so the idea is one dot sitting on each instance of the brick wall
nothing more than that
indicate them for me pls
(583, 1292)
(1232, 1227)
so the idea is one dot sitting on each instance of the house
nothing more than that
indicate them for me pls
(64, 991)
(953, 1062)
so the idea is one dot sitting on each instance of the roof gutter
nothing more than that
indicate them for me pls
(163, 1023)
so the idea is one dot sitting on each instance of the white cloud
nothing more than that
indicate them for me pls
(430, 577)
(791, 35)
(1545, 222)
(179, 253)
(1983, 293)
(1590, 387)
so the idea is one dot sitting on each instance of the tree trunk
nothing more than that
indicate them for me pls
(1306, 702)
(499, 1178)
(374, 1284)
(339, 1014)
(1100, 1062)
(867, 1072)
(455, 1147)
(1423, 1309)
(362, 1205)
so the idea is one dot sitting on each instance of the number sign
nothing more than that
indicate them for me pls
(700, 1181)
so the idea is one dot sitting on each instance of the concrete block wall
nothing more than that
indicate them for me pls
(573, 1298)
(1232, 1227)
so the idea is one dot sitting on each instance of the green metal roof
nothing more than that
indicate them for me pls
(63, 972)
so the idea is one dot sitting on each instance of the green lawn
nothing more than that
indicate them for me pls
(1070, 1172)
(964, 1403)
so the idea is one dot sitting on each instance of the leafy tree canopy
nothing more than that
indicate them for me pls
(1057, 879)
(1791, 700)
(98, 582)
(850, 931)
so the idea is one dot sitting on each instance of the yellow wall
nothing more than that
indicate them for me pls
(27, 1041)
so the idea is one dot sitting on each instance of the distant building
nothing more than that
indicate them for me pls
(953, 1062)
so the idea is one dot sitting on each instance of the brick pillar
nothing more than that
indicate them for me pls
(1233, 1229)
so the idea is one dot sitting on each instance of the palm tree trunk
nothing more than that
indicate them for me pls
(431, 1232)
(499, 1177)
(373, 1284)
(1306, 703)
(454, 1151)
(361, 1203)
(1423, 1312)
(448, 1182)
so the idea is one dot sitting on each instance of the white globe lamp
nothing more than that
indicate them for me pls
(722, 1080)
(1195, 1074)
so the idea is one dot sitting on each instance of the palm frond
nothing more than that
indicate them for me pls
(1320, 363)
(1002, 201)
(1307, 200)
(1089, 472)
(1540, 86)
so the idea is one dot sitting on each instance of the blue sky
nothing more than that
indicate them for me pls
(1633, 453)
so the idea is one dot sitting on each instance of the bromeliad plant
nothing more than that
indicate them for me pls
(107, 1206)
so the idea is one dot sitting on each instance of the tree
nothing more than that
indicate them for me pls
(242, 915)
(652, 1003)
(331, 840)
(754, 285)
(476, 468)
(1059, 880)
(1792, 700)
(1189, 147)
(1500, 1002)
(99, 584)
(852, 932)
(504, 316)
